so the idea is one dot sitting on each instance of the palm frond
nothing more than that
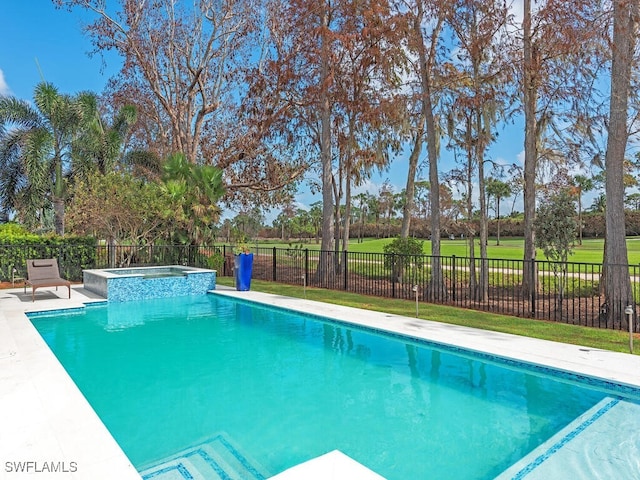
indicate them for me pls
(147, 161)
(46, 98)
(17, 113)
(38, 149)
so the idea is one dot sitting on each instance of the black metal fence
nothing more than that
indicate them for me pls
(568, 293)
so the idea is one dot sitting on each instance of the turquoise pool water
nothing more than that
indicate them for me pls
(167, 374)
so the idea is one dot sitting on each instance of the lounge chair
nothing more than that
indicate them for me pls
(44, 273)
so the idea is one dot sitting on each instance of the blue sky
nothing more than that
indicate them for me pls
(40, 42)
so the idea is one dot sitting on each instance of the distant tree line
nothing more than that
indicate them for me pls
(593, 227)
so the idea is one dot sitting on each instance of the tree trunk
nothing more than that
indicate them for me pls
(58, 215)
(437, 285)
(483, 286)
(337, 220)
(473, 280)
(530, 94)
(617, 283)
(437, 288)
(58, 195)
(579, 216)
(347, 190)
(325, 265)
(498, 220)
(111, 252)
(410, 190)
(347, 215)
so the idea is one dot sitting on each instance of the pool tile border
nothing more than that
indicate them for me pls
(58, 311)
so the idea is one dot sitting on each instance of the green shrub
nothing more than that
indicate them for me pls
(74, 253)
(215, 261)
(404, 255)
(11, 232)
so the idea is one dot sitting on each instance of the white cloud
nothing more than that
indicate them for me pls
(4, 88)
(369, 186)
(517, 10)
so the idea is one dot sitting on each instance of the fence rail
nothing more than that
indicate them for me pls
(568, 293)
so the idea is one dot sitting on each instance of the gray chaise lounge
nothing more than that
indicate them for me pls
(44, 273)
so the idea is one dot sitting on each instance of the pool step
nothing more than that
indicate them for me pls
(216, 459)
(602, 443)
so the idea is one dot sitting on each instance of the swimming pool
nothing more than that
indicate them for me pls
(168, 374)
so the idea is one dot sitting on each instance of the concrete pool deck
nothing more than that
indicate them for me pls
(48, 429)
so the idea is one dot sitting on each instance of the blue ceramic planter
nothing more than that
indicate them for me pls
(243, 267)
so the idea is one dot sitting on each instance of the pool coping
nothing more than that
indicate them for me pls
(47, 421)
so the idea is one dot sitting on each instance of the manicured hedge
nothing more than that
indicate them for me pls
(74, 253)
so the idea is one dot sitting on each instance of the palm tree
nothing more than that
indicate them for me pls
(386, 202)
(315, 212)
(633, 201)
(361, 198)
(498, 190)
(101, 146)
(35, 152)
(599, 204)
(582, 184)
(195, 191)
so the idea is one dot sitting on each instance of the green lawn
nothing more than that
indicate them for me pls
(510, 248)
(613, 340)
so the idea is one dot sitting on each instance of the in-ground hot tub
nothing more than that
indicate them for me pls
(137, 283)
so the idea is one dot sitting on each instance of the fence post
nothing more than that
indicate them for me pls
(534, 287)
(111, 254)
(306, 266)
(224, 265)
(344, 269)
(453, 277)
(393, 277)
(274, 263)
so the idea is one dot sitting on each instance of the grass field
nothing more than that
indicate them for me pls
(613, 340)
(590, 251)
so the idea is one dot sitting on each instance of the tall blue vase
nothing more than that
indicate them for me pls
(244, 267)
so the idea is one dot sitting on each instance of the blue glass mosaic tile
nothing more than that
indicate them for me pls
(215, 459)
(58, 311)
(147, 283)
